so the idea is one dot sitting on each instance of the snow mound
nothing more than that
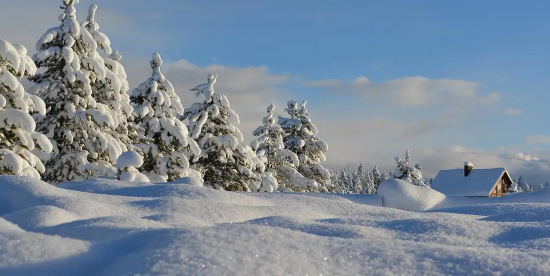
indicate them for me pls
(399, 194)
(110, 227)
(193, 181)
(19, 248)
(41, 216)
(129, 159)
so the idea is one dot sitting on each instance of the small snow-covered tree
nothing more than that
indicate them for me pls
(75, 123)
(523, 186)
(156, 105)
(407, 172)
(281, 162)
(127, 164)
(112, 91)
(18, 138)
(301, 138)
(345, 181)
(360, 178)
(225, 161)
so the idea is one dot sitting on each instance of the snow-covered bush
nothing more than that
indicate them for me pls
(157, 105)
(224, 161)
(18, 138)
(300, 138)
(127, 164)
(76, 124)
(405, 171)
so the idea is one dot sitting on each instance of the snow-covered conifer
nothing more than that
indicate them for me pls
(360, 179)
(225, 161)
(112, 91)
(300, 138)
(281, 162)
(157, 106)
(18, 138)
(75, 123)
(523, 186)
(407, 172)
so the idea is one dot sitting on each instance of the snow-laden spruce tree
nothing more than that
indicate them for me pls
(18, 138)
(345, 181)
(76, 124)
(360, 179)
(301, 138)
(225, 161)
(405, 171)
(378, 178)
(112, 91)
(157, 106)
(281, 162)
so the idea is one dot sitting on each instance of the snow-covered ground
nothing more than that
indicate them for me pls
(106, 227)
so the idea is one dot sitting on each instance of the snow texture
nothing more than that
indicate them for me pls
(107, 227)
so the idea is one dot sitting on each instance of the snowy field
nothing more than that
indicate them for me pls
(106, 227)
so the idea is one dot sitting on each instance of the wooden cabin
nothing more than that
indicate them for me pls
(472, 182)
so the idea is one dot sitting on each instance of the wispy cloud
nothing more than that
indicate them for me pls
(378, 65)
(512, 111)
(410, 91)
(538, 139)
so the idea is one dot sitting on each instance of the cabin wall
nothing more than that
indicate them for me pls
(502, 187)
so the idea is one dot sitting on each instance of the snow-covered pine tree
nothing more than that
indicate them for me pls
(18, 138)
(75, 123)
(407, 172)
(344, 182)
(300, 138)
(360, 178)
(156, 105)
(523, 186)
(282, 162)
(335, 181)
(112, 91)
(225, 161)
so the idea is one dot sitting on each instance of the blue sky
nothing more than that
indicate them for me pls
(450, 80)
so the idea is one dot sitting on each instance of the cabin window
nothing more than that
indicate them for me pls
(499, 188)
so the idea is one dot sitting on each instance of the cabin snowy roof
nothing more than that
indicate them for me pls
(480, 182)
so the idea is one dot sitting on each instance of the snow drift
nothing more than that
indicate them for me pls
(109, 227)
(403, 195)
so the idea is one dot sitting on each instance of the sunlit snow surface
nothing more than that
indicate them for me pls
(105, 227)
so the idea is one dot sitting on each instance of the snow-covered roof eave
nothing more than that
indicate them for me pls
(496, 182)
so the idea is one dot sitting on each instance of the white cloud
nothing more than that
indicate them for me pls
(512, 111)
(378, 65)
(411, 91)
(325, 83)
